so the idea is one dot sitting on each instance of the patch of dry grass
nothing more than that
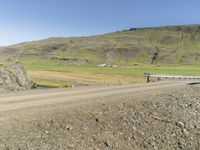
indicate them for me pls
(92, 78)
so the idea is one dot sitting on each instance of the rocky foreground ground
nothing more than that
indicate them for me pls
(166, 119)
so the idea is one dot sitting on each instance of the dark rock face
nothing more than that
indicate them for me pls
(14, 78)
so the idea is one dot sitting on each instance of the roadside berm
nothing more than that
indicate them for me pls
(14, 78)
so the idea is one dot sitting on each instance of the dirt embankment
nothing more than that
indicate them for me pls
(160, 119)
(14, 78)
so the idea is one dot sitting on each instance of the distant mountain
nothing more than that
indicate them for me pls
(169, 44)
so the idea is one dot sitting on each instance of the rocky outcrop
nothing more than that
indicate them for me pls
(14, 78)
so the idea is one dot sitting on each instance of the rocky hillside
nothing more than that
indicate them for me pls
(170, 44)
(14, 78)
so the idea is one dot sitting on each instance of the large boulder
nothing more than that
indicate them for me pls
(14, 78)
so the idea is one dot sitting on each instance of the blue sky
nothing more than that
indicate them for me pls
(26, 20)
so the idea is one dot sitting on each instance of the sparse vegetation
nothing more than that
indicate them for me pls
(51, 84)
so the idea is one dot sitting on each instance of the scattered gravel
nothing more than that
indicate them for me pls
(162, 121)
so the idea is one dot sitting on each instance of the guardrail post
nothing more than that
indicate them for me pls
(148, 79)
(147, 75)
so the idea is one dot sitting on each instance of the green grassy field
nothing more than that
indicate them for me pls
(57, 66)
(57, 73)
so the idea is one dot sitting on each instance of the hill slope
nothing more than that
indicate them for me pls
(170, 44)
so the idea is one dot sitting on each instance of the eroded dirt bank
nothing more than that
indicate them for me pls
(160, 119)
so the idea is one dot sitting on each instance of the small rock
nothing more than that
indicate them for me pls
(152, 141)
(106, 144)
(69, 128)
(173, 135)
(97, 120)
(142, 133)
(47, 132)
(185, 131)
(133, 137)
(180, 124)
(134, 128)
(71, 146)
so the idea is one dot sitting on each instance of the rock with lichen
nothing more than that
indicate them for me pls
(14, 78)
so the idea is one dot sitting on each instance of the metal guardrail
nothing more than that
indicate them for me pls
(160, 76)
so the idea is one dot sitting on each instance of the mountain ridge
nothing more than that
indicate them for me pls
(152, 45)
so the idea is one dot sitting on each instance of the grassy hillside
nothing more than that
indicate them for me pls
(162, 45)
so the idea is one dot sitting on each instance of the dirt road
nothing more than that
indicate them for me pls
(30, 99)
